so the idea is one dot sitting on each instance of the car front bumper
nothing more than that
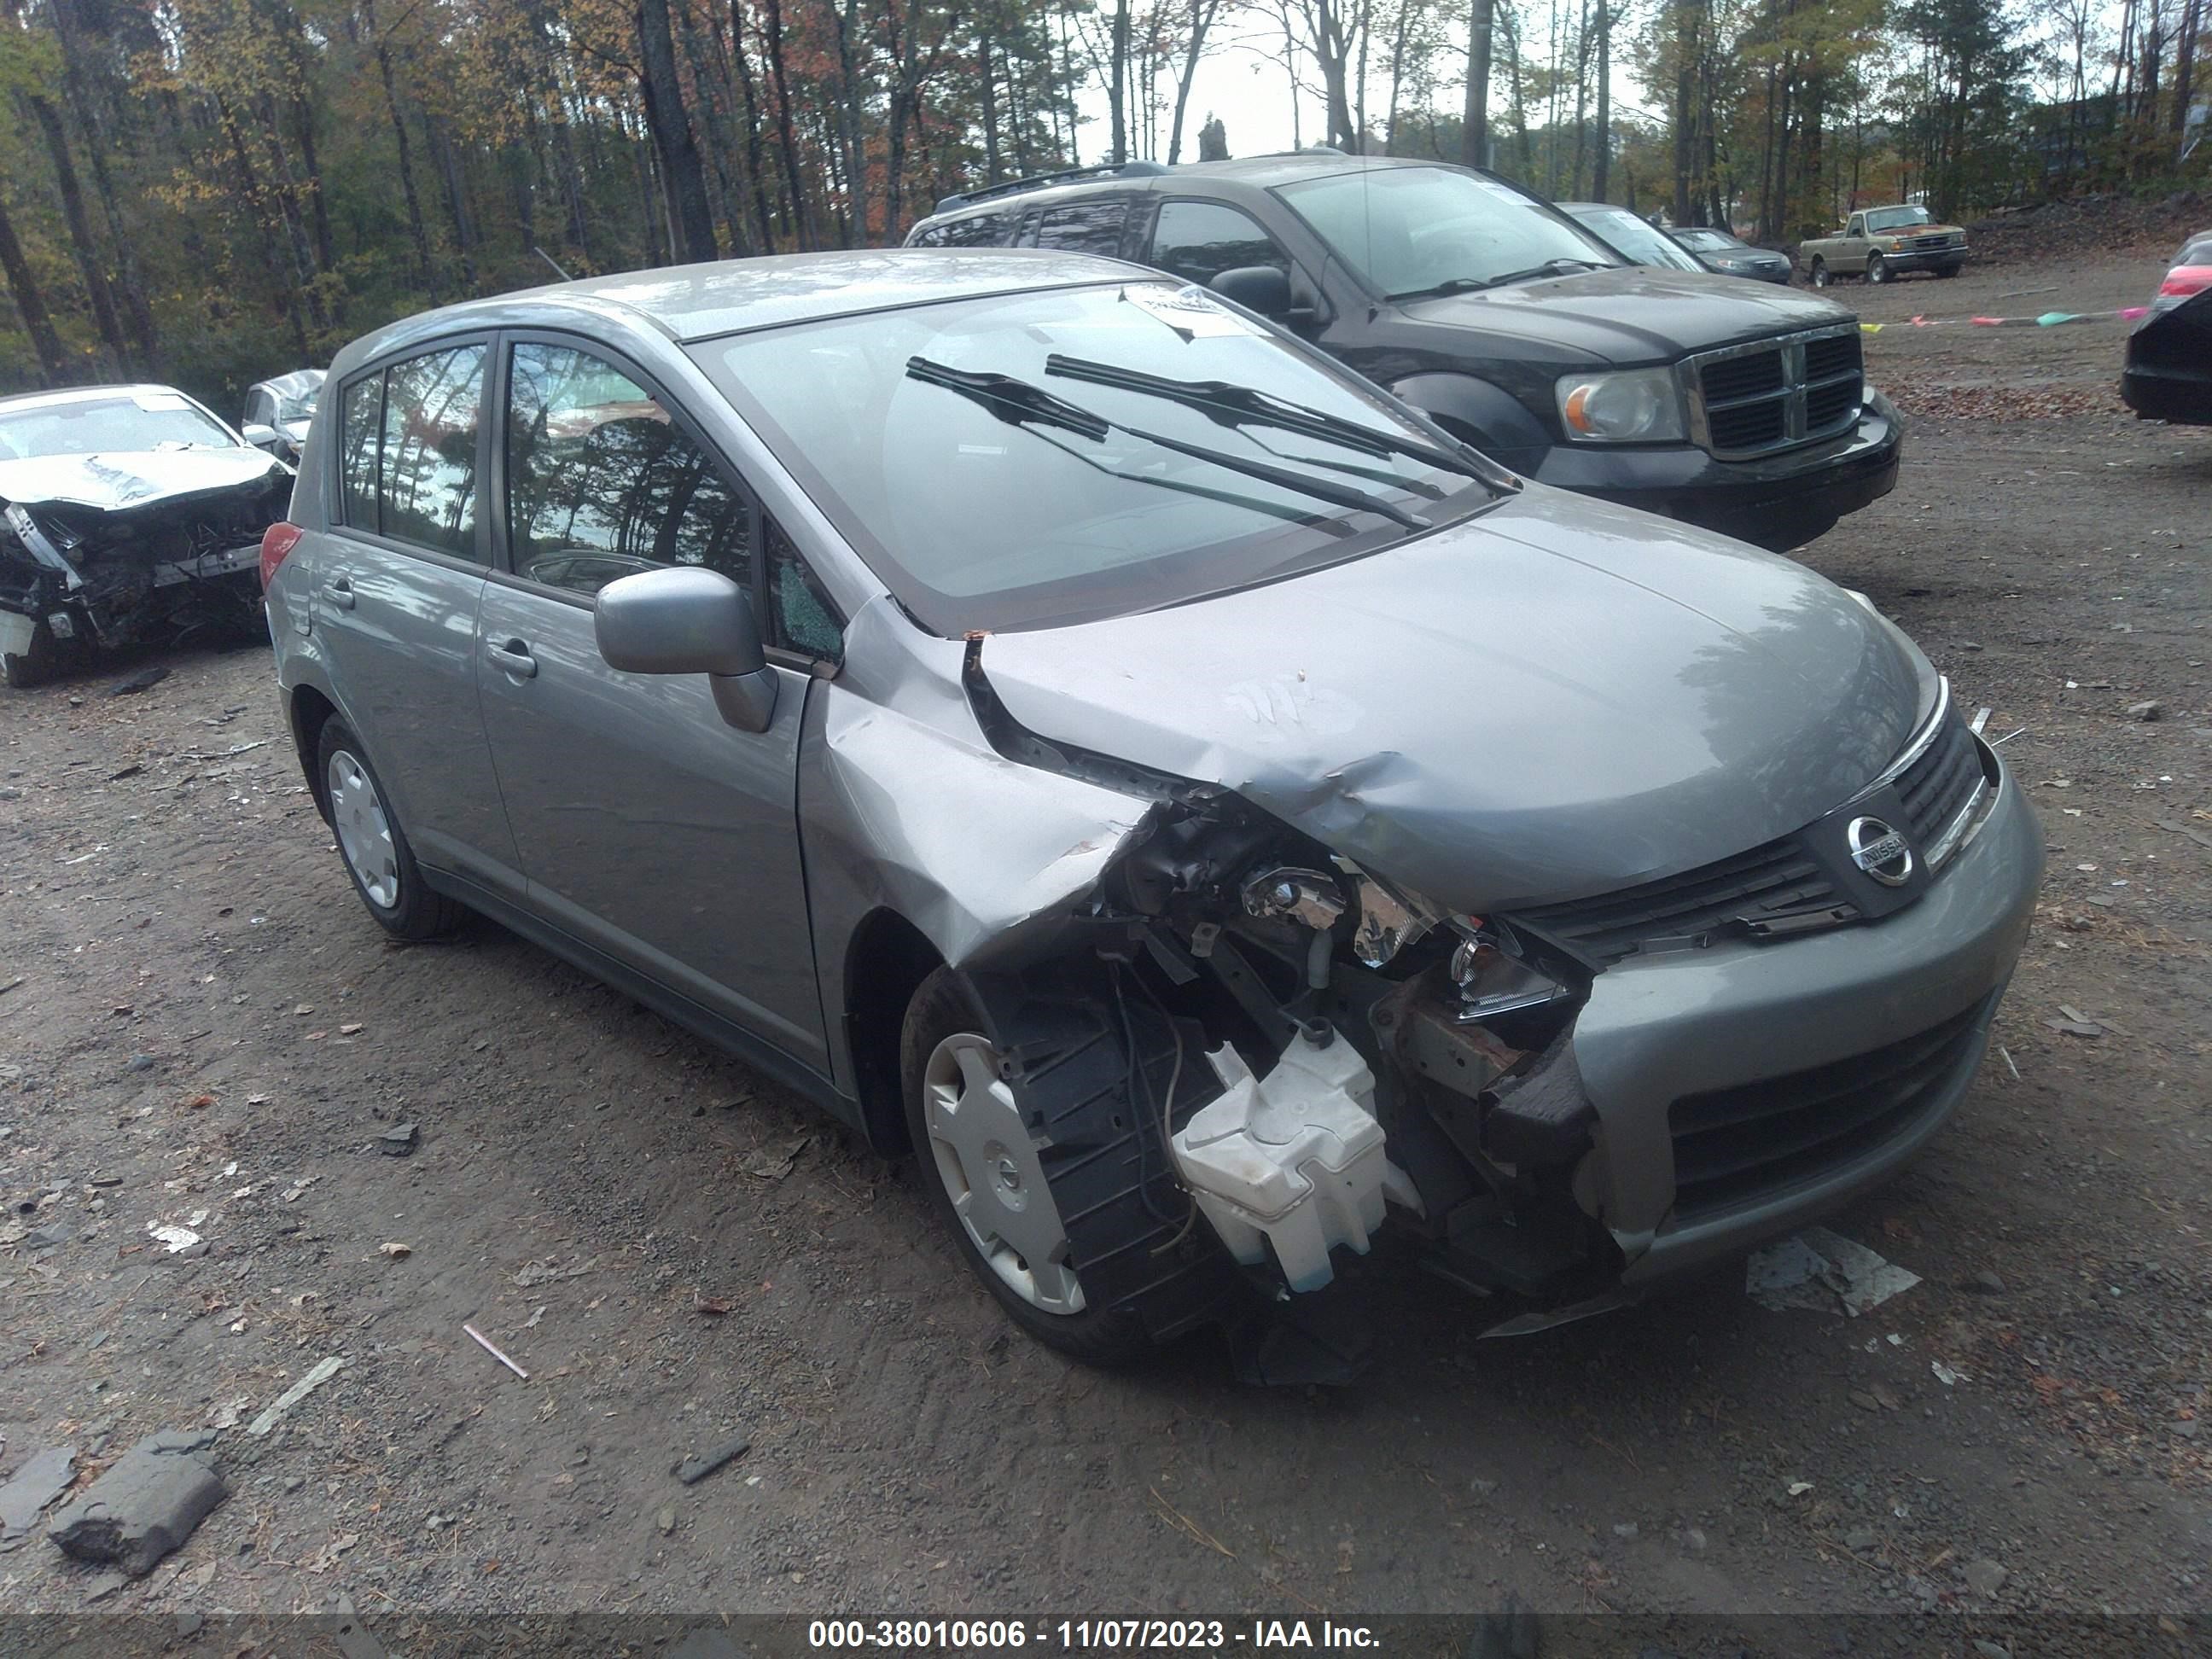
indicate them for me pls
(1659, 1030)
(1779, 501)
(1949, 259)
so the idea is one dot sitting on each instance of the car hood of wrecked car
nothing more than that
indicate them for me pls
(1558, 698)
(115, 481)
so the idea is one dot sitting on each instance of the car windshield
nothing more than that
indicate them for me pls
(1896, 218)
(1409, 231)
(1639, 241)
(1048, 457)
(300, 406)
(133, 421)
(1708, 240)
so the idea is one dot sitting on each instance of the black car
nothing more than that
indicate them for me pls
(2169, 370)
(1732, 256)
(1740, 409)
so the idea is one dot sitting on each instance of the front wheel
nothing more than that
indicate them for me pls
(1877, 270)
(1819, 275)
(980, 1165)
(372, 845)
(1947, 272)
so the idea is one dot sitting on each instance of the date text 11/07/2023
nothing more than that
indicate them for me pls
(1197, 1636)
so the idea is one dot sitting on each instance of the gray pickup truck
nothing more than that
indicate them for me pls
(1885, 242)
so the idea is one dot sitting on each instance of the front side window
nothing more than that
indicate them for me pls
(1043, 457)
(983, 230)
(1410, 232)
(601, 482)
(1086, 226)
(1201, 240)
(426, 489)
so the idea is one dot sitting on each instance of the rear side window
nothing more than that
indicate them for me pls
(1092, 227)
(601, 482)
(426, 490)
(360, 428)
(1201, 240)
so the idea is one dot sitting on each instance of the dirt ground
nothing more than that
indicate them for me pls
(207, 1031)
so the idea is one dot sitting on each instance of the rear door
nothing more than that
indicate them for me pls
(649, 827)
(398, 581)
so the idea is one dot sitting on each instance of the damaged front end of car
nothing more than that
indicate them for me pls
(95, 555)
(1239, 1042)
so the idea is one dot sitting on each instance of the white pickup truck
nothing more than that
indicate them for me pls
(1885, 242)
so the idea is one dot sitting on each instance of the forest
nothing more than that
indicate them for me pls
(209, 192)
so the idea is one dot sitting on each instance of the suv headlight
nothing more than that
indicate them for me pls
(1629, 406)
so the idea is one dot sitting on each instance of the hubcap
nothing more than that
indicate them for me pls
(991, 1173)
(364, 833)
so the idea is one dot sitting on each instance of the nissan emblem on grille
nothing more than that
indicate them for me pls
(1880, 851)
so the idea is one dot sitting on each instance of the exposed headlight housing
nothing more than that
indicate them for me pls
(1626, 406)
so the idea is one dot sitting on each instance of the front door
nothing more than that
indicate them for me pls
(648, 826)
(397, 586)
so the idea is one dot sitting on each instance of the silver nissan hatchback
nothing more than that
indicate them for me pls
(1080, 735)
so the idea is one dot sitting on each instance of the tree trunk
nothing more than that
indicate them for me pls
(753, 166)
(2184, 63)
(257, 209)
(30, 304)
(417, 231)
(80, 229)
(1602, 169)
(1474, 128)
(670, 124)
(992, 170)
(1201, 19)
(138, 317)
(1117, 91)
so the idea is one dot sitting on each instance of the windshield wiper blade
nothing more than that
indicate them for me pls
(1017, 403)
(1549, 267)
(1450, 285)
(1232, 405)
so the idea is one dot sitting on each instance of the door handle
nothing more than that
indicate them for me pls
(339, 592)
(511, 658)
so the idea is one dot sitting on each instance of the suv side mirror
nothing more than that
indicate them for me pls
(684, 620)
(259, 434)
(1265, 289)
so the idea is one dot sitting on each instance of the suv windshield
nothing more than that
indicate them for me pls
(140, 421)
(1634, 238)
(1896, 218)
(1411, 231)
(1043, 458)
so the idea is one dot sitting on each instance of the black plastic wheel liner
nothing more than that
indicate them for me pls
(1067, 1036)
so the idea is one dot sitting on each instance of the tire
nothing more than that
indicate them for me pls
(371, 844)
(1137, 1276)
(1947, 272)
(1818, 275)
(1878, 270)
(36, 666)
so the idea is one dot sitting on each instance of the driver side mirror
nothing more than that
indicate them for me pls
(1265, 289)
(260, 436)
(684, 620)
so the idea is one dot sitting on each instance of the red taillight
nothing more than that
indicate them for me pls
(2184, 281)
(279, 539)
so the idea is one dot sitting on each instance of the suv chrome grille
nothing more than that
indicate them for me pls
(1771, 394)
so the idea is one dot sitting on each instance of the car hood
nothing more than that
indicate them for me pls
(1634, 315)
(117, 481)
(1558, 698)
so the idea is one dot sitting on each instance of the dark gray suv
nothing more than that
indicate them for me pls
(1738, 409)
(1071, 729)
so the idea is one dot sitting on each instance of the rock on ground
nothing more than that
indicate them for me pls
(145, 1506)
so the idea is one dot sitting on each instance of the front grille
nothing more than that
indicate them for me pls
(1750, 400)
(1733, 1145)
(1774, 880)
(1942, 784)
(1931, 241)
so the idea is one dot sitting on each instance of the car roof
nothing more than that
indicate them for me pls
(1231, 180)
(82, 394)
(688, 303)
(288, 385)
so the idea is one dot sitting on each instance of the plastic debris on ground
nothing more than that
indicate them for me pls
(1823, 1272)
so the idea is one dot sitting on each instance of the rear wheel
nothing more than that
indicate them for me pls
(40, 662)
(1819, 275)
(1877, 269)
(372, 845)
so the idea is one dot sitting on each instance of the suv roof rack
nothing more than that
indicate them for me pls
(1039, 180)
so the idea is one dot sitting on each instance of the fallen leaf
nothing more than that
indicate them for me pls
(348, 1030)
(395, 1249)
(709, 1304)
(195, 1103)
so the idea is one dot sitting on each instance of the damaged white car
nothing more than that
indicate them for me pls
(1078, 734)
(129, 515)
